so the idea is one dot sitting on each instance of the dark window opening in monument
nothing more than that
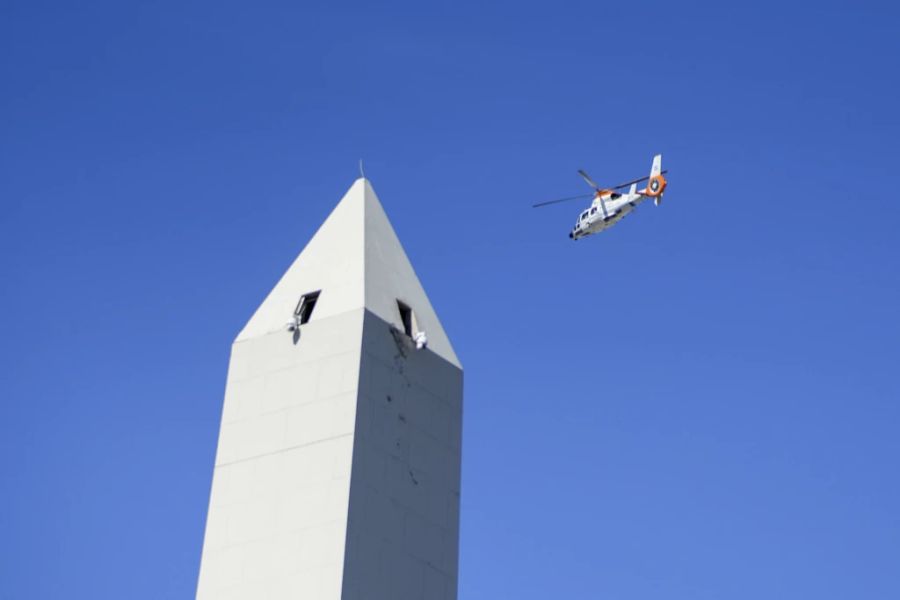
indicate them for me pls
(306, 305)
(406, 317)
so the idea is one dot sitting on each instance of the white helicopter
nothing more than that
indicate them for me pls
(609, 207)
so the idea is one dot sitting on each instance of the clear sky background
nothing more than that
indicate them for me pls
(701, 403)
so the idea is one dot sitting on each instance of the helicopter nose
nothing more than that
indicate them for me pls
(571, 235)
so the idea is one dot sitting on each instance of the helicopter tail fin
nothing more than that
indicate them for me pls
(657, 182)
(657, 165)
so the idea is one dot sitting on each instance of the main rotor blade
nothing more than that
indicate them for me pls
(638, 180)
(562, 200)
(587, 178)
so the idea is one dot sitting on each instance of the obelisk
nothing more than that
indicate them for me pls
(337, 472)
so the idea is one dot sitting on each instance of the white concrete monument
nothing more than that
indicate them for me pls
(337, 472)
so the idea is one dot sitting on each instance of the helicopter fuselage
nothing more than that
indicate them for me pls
(605, 211)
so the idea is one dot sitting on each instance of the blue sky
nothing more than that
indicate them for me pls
(700, 403)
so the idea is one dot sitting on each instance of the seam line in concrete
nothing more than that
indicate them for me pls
(240, 460)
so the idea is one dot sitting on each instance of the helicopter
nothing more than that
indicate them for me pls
(609, 206)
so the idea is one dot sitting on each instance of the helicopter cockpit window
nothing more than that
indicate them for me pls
(583, 216)
(593, 210)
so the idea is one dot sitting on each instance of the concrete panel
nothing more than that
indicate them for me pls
(403, 525)
(279, 502)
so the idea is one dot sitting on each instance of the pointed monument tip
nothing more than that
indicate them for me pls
(357, 262)
(360, 185)
(364, 186)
